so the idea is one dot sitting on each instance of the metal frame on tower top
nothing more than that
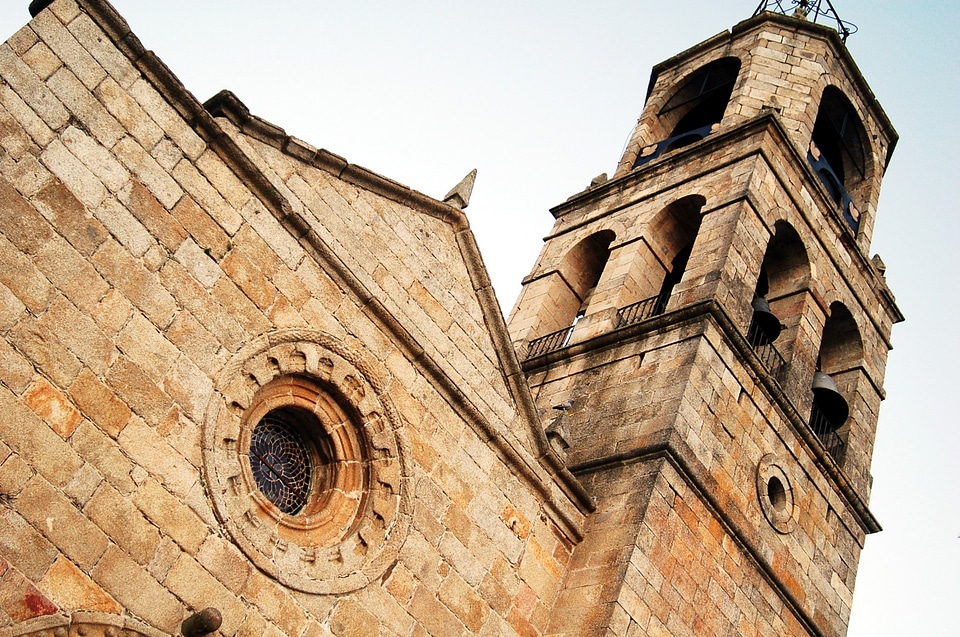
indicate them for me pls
(811, 10)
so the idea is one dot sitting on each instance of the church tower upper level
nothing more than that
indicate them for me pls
(706, 337)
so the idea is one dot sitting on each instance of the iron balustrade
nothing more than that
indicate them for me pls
(765, 351)
(813, 10)
(827, 433)
(642, 310)
(550, 342)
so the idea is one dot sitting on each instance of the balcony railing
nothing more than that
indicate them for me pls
(651, 152)
(642, 310)
(766, 352)
(827, 433)
(550, 342)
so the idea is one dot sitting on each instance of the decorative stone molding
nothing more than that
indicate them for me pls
(85, 623)
(775, 492)
(357, 507)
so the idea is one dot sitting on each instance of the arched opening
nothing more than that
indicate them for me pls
(784, 274)
(672, 235)
(570, 289)
(841, 353)
(582, 267)
(695, 109)
(837, 150)
(661, 258)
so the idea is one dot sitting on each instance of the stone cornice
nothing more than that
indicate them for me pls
(713, 310)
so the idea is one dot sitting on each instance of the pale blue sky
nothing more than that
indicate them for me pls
(540, 97)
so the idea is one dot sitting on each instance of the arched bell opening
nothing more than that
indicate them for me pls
(660, 259)
(673, 234)
(839, 153)
(778, 298)
(566, 298)
(841, 353)
(695, 109)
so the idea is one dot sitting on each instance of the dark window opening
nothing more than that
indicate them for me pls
(673, 277)
(836, 133)
(696, 107)
(281, 459)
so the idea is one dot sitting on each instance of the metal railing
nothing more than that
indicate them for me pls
(766, 352)
(827, 433)
(642, 310)
(813, 10)
(550, 342)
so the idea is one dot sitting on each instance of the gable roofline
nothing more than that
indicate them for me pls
(203, 121)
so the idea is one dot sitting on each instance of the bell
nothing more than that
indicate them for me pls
(765, 320)
(832, 405)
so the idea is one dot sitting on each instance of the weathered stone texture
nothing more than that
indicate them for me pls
(148, 244)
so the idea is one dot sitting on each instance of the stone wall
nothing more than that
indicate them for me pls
(162, 273)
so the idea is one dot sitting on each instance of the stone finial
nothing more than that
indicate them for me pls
(880, 266)
(598, 180)
(459, 196)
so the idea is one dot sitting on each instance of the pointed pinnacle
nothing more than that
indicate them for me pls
(459, 196)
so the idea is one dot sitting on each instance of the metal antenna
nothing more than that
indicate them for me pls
(812, 10)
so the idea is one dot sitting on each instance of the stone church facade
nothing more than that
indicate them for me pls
(249, 388)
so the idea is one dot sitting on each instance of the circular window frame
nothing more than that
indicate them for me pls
(334, 501)
(778, 504)
(351, 529)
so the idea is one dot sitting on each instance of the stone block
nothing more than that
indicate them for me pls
(16, 372)
(204, 269)
(168, 119)
(189, 387)
(92, 39)
(207, 197)
(432, 615)
(72, 274)
(153, 448)
(189, 581)
(38, 445)
(268, 229)
(99, 403)
(225, 562)
(140, 286)
(139, 162)
(129, 113)
(31, 89)
(83, 338)
(71, 589)
(20, 222)
(276, 604)
(14, 474)
(206, 309)
(74, 174)
(163, 226)
(20, 600)
(123, 523)
(138, 592)
(204, 230)
(62, 523)
(53, 32)
(248, 277)
(171, 516)
(196, 342)
(143, 343)
(85, 107)
(20, 276)
(461, 599)
(52, 406)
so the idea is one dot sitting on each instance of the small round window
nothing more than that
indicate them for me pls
(282, 460)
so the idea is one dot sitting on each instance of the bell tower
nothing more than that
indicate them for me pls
(706, 336)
